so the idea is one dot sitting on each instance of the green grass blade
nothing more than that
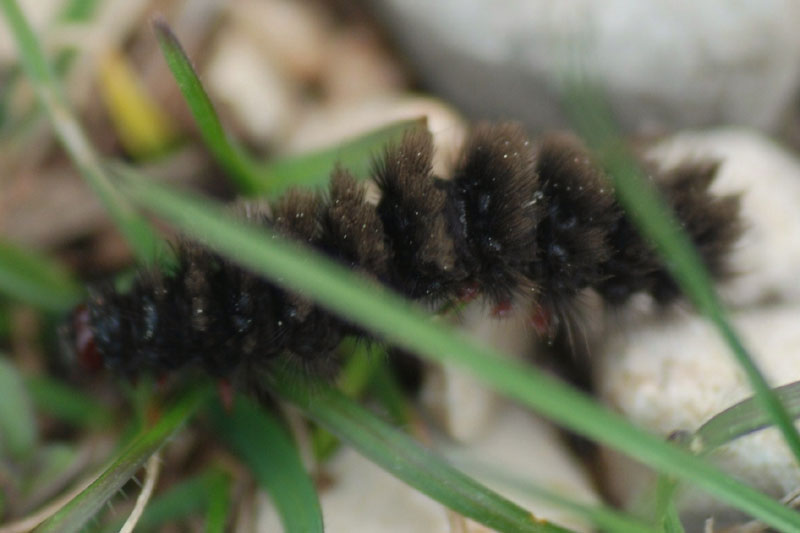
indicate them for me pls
(239, 165)
(314, 169)
(36, 280)
(405, 458)
(18, 431)
(219, 503)
(742, 419)
(404, 324)
(352, 380)
(136, 230)
(264, 445)
(666, 512)
(653, 217)
(77, 513)
(67, 403)
(78, 10)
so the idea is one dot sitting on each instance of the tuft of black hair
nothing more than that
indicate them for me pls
(711, 222)
(424, 263)
(493, 210)
(580, 208)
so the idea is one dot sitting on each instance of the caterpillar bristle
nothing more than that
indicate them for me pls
(412, 211)
(493, 215)
(579, 210)
(352, 232)
(517, 219)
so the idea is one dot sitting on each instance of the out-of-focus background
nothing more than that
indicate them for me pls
(292, 76)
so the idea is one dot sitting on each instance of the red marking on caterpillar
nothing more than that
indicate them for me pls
(85, 347)
(502, 309)
(542, 321)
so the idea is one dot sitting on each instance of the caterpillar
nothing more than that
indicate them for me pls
(517, 219)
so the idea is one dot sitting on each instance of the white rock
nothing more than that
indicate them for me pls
(259, 95)
(357, 67)
(463, 405)
(293, 34)
(767, 258)
(667, 375)
(519, 445)
(663, 63)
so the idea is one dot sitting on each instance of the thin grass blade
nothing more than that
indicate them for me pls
(242, 169)
(741, 419)
(605, 518)
(186, 498)
(80, 510)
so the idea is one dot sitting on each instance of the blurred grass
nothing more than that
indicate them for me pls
(18, 428)
(137, 231)
(314, 169)
(143, 128)
(35, 279)
(251, 431)
(67, 404)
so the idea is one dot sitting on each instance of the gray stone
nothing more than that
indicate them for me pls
(663, 64)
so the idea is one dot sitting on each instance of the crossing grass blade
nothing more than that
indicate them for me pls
(314, 169)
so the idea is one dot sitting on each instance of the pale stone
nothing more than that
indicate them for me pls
(356, 68)
(295, 35)
(261, 98)
(664, 64)
(675, 374)
(463, 405)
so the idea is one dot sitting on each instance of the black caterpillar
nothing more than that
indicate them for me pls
(516, 220)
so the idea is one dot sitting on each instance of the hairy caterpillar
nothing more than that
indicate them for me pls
(516, 219)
